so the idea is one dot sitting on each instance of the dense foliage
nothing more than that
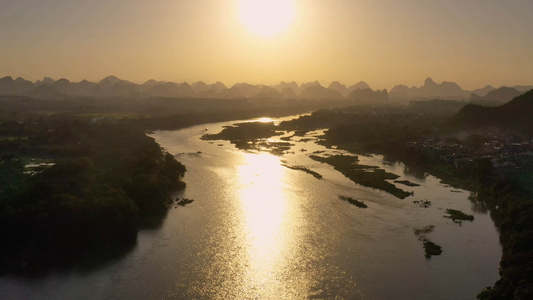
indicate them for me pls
(108, 179)
(512, 211)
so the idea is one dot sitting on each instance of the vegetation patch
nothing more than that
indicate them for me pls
(304, 169)
(352, 201)
(107, 182)
(406, 182)
(369, 176)
(253, 136)
(424, 230)
(183, 201)
(430, 248)
(457, 215)
(245, 132)
(423, 203)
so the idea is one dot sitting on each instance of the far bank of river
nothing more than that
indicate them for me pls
(259, 229)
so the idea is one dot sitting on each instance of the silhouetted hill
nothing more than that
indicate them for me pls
(19, 86)
(523, 88)
(110, 80)
(400, 91)
(23, 86)
(150, 83)
(44, 91)
(369, 96)
(83, 88)
(45, 80)
(199, 87)
(218, 86)
(288, 93)
(430, 90)
(7, 85)
(283, 85)
(498, 96)
(339, 87)
(445, 90)
(318, 92)
(516, 115)
(245, 89)
(212, 91)
(483, 91)
(113, 86)
(307, 85)
(62, 85)
(361, 85)
(186, 90)
(266, 92)
(231, 93)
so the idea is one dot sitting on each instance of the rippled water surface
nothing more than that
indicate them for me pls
(259, 230)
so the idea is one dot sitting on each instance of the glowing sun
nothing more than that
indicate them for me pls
(267, 18)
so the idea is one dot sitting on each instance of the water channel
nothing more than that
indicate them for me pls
(259, 230)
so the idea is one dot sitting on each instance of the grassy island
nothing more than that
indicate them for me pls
(355, 202)
(245, 132)
(252, 136)
(304, 169)
(430, 248)
(406, 182)
(458, 215)
(368, 176)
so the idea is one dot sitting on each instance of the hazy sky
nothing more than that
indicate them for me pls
(383, 42)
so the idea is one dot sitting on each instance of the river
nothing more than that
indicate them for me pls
(259, 230)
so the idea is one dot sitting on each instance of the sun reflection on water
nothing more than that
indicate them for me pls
(265, 120)
(264, 209)
(263, 201)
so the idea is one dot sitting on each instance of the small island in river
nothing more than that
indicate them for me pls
(352, 201)
(369, 176)
(406, 182)
(304, 169)
(430, 248)
(457, 215)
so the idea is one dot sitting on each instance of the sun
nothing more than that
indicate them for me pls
(267, 18)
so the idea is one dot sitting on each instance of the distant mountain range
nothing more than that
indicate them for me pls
(361, 92)
(449, 91)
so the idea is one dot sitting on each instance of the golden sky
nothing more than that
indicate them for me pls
(384, 43)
